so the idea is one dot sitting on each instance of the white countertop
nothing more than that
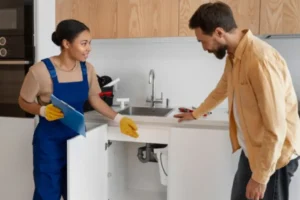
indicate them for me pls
(217, 120)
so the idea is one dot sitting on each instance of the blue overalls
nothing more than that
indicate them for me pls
(50, 139)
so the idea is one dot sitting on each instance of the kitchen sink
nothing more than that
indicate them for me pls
(146, 111)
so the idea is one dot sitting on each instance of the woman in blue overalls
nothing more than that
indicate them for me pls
(50, 137)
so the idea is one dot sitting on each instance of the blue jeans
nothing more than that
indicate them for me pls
(277, 187)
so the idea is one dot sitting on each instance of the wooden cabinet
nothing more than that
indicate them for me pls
(99, 15)
(186, 10)
(123, 18)
(246, 14)
(170, 18)
(280, 17)
(144, 18)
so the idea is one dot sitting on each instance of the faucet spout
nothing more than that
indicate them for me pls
(151, 81)
(151, 76)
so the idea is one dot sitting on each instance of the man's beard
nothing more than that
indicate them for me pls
(221, 52)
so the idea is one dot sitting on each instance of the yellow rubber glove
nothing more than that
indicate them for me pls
(51, 113)
(127, 126)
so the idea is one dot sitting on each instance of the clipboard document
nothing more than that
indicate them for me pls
(72, 118)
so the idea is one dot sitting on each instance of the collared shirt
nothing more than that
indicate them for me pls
(266, 103)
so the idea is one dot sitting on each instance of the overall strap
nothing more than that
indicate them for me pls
(84, 71)
(51, 70)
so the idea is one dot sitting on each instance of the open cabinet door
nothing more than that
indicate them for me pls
(87, 165)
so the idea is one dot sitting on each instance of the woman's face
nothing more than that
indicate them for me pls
(80, 48)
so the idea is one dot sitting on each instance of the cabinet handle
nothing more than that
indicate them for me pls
(14, 62)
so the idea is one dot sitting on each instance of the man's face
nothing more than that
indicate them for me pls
(214, 43)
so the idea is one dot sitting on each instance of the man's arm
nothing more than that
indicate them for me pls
(216, 97)
(268, 84)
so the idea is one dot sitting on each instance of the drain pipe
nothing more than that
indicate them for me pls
(140, 154)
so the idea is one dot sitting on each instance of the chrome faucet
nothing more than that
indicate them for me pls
(152, 99)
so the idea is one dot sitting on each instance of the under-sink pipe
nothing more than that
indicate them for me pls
(150, 156)
(140, 154)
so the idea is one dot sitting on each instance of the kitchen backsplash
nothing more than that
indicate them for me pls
(184, 73)
(290, 50)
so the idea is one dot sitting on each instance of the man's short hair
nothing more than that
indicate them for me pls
(209, 16)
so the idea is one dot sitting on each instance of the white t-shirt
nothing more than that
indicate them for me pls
(240, 135)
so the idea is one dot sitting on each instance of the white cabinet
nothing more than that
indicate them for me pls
(130, 179)
(16, 164)
(200, 160)
(87, 165)
(295, 185)
(115, 173)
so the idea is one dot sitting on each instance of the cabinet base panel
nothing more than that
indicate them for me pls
(132, 194)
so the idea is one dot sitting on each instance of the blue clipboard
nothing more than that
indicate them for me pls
(72, 118)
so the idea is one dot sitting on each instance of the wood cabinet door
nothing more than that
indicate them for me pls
(144, 18)
(280, 17)
(186, 10)
(246, 14)
(99, 15)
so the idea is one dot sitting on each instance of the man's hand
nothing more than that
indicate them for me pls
(255, 190)
(184, 117)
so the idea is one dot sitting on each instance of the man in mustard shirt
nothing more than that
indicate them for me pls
(263, 107)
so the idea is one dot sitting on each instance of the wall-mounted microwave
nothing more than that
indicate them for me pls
(17, 52)
(16, 17)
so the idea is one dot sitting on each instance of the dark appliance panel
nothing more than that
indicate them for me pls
(16, 17)
(16, 47)
(11, 79)
(17, 53)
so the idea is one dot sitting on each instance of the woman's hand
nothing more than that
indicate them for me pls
(51, 113)
(127, 126)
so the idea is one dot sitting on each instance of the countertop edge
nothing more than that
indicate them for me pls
(145, 121)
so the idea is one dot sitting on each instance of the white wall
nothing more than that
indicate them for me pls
(184, 72)
(44, 27)
(290, 50)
